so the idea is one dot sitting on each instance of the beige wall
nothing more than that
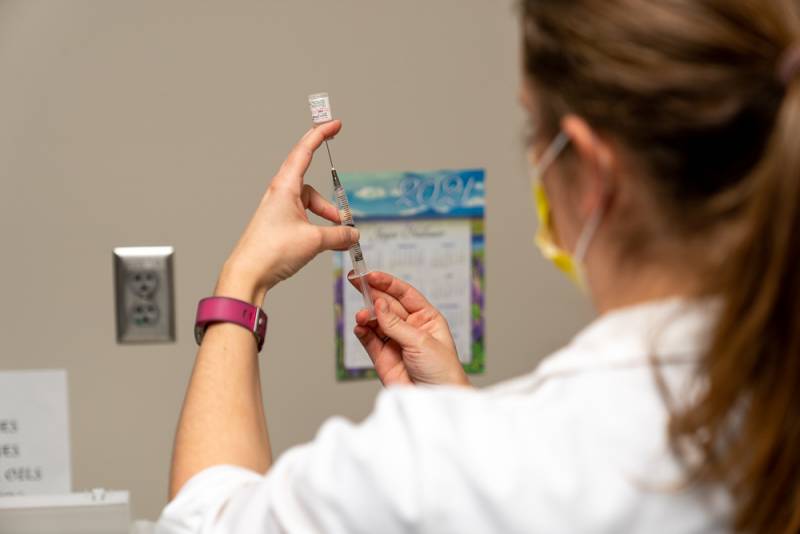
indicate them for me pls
(138, 123)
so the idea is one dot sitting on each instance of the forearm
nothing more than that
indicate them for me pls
(222, 421)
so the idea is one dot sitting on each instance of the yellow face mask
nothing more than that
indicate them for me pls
(571, 266)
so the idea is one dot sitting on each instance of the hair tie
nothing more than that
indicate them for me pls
(789, 65)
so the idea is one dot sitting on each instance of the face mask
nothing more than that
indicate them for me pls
(571, 265)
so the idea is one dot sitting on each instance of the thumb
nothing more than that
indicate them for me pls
(396, 328)
(337, 237)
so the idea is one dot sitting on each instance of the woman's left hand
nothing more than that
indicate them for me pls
(411, 342)
(280, 240)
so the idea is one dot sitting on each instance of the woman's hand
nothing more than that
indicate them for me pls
(280, 240)
(411, 342)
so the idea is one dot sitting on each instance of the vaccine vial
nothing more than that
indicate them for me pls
(320, 105)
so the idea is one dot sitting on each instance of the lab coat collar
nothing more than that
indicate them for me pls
(663, 332)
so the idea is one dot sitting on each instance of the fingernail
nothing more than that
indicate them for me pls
(381, 305)
(354, 234)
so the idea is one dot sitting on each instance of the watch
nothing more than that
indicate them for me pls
(227, 310)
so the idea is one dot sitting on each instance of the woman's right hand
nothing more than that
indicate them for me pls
(411, 342)
(280, 239)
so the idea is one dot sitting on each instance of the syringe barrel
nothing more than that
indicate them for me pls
(359, 265)
(367, 299)
(345, 214)
(356, 255)
(359, 271)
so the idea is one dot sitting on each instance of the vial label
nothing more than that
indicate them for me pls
(320, 105)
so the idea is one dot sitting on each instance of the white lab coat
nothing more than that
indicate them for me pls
(577, 446)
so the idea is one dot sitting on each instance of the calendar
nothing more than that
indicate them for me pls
(427, 229)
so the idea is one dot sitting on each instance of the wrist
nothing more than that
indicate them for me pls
(238, 284)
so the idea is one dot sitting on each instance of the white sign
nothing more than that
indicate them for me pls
(34, 433)
(95, 512)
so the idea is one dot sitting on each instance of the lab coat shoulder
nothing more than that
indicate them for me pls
(598, 457)
(594, 442)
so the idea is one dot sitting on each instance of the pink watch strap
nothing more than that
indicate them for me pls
(227, 310)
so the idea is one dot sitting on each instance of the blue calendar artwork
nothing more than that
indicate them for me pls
(426, 228)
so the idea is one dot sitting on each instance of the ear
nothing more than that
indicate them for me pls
(595, 161)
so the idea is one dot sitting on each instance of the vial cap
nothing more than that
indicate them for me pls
(320, 105)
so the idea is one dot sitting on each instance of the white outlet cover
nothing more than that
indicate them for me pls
(145, 296)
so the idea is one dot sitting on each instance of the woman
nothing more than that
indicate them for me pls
(668, 181)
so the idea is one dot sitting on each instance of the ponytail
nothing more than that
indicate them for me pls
(747, 423)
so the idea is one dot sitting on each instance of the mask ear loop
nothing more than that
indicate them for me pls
(550, 155)
(588, 233)
(582, 246)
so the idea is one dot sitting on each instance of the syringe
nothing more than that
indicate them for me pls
(356, 255)
(320, 113)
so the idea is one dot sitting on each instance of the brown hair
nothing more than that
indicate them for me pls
(690, 88)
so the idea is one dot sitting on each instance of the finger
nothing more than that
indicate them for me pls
(363, 319)
(380, 334)
(374, 294)
(337, 237)
(411, 299)
(395, 327)
(386, 358)
(370, 340)
(318, 204)
(296, 164)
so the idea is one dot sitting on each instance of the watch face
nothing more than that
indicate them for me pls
(261, 327)
(199, 330)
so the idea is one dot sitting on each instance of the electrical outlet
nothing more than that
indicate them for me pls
(145, 294)
(143, 283)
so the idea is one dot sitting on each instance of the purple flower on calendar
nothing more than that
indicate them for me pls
(477, 330)
(477, 267)
(477, 295)
(477, 292)
(338, 304)
(337, 287)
